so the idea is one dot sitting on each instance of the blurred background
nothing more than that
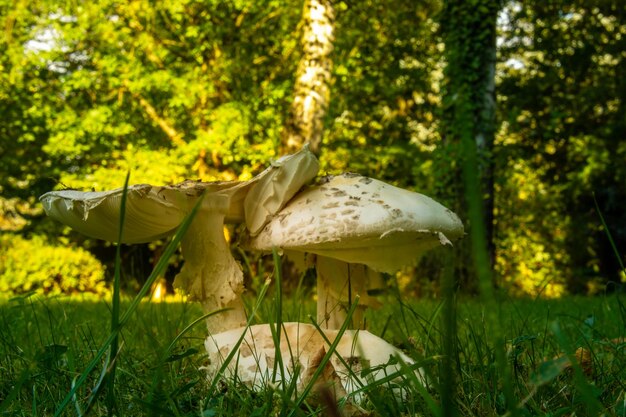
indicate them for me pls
(210, 90)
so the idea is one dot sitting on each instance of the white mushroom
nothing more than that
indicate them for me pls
(359, 359)
(276, 186)
(210, 274)
(350, 219)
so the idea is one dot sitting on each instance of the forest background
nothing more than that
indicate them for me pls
(205, 90)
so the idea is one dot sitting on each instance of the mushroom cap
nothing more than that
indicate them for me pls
(154, 212)
(368, 356)
(277, 185)
(151, 212)
(360, 220)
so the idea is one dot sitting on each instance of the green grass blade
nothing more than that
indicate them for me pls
(115, 303)
(79, 411)
(161, 265)
(235, 348)
(449, 336)
(608, 235)
(276, 327)
(189, 327)
(482, 263)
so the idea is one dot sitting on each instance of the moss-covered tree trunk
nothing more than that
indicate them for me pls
(312, 87)
(469, 34)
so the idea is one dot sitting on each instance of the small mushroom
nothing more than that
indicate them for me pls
(352, 224)
(210, 274)
(360, 358)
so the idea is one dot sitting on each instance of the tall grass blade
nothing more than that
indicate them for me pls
(190, 326)
(449, 336)
(235, 347)
(480, 257)
(276, 327)
(161, 265)
(79, 411)
(608, 235)
(34, 408)
(115, 303)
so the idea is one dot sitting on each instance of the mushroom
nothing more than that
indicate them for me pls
(355, 227)
(359, 358)
(210, 274)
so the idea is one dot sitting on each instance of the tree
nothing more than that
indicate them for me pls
(468, 110)
(562, 87)
(170, 91)
(305, 122)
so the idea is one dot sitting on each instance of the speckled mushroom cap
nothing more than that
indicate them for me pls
(360, 220)
(151, 212)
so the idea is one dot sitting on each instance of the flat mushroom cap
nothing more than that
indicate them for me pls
(151, 212)
(360, 220)
(154, 212)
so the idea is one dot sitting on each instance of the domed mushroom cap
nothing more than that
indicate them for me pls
(151, 212)
(360, 220)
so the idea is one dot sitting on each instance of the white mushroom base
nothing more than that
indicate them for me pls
(302, 347)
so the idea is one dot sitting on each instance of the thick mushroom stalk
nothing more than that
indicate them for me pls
(338, 284)
(210, 274)
(356, 220)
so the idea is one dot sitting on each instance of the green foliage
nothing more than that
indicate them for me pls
(533, 259)
(193, 89)
(386, 69)
(562, 108)
(34, 265)
(166, 86)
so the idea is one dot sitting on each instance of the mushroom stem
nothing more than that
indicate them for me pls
(210, 274)
(338, 284)
(234, 317)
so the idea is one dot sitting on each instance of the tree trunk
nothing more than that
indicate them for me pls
(469, 32)
(485, 137)
(312, 87)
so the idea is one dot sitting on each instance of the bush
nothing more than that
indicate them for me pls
(35, 265)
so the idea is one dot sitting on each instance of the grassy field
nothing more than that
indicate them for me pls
(46, 343)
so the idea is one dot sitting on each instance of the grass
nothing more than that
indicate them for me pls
(482, 357)
(47, 342)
